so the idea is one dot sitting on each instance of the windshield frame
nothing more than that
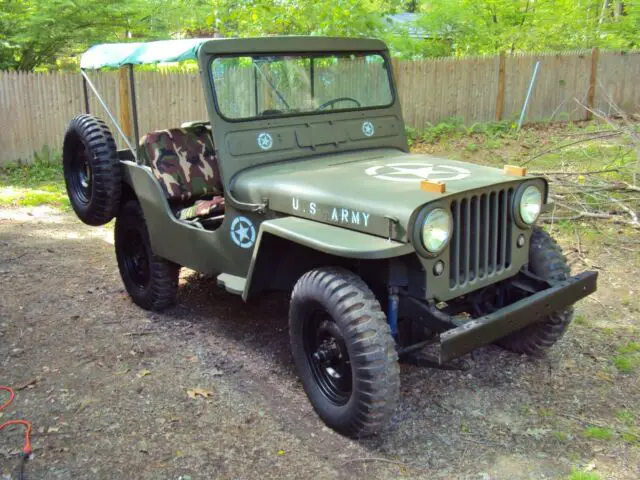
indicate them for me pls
(312, 54)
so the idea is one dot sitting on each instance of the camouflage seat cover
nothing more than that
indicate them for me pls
(183, 161)
(202, 209)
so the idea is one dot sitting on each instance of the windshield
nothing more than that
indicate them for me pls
(275, 85)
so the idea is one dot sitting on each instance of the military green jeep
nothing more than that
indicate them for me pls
(301, 181)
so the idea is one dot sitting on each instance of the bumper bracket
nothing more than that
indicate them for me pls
(481, 331)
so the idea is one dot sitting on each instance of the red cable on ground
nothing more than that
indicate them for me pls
(26, 450)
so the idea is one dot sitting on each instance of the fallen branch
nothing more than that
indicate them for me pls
(385, 460)
(584, 421)
(22, 386)
(592, 172)
(137, 334)
(560, 147)
(599, 215)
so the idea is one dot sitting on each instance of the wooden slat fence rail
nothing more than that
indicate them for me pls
(35, 108)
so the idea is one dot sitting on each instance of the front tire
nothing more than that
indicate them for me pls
(150, 280)
(547, 262)
(344, 352)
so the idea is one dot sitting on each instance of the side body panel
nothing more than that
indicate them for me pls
(224, 250)
(205, 251)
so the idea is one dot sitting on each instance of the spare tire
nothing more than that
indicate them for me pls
(92, 171)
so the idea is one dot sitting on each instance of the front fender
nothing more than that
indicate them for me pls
(306, 236)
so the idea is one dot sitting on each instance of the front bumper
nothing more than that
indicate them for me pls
(481, 331)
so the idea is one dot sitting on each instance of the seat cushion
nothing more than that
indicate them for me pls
(183, 160)
(202, 209)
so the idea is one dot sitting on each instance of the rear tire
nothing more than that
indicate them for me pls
(546, 261)
(344, 351)
(92, 171)
(150, 280)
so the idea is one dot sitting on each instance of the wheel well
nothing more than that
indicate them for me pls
(127, 193)
(280, 263)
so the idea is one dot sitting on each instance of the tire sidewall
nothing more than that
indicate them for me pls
(130, 217)
(301, 307)
(103, 200)
(375, 374)
(547, 262)
(81, 209)
(545, 259)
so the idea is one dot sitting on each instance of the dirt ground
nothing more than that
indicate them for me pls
(108, 382)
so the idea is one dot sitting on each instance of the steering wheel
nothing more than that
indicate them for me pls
(270, 111)
(339, 99)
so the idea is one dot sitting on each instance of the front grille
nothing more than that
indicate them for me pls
(481, 241)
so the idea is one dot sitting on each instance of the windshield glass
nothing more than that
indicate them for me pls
(274, 85)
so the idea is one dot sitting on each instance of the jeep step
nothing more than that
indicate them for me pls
(231, 283)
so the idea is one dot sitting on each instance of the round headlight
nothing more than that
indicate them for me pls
(530, 204)
(436, 230)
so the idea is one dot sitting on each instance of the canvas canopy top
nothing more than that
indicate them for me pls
(119, 54)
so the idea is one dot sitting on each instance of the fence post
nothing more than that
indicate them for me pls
(395, 66)
(591, 94)
(125, 102)
(500, 94)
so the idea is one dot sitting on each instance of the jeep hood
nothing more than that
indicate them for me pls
(361, 190)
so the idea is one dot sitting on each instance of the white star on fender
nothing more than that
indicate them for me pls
(243, 233)
(413, 172)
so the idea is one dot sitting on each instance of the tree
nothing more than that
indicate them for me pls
(245, 18)
(35, 33)
(488, 26)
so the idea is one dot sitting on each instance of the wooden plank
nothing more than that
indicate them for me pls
(125, 102)
(500, 93)
(593, 78)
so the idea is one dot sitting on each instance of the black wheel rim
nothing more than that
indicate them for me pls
(135, 258)
(80, 175)
(328, 357)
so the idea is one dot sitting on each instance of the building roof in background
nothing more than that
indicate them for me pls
(405, 24)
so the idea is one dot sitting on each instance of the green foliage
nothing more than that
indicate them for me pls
(412, 135)
(37, 183)
(631, 437)
(580, 475)
(449, 128)
(628, 357)
(454, 127)
(491, 26)
(48, 34)
(579, 319)
(39, 33)
(303, 17)
(629, 348)
(598, 433)
(626, 417)
(561, 436)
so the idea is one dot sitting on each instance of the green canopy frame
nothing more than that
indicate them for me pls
(118, 55)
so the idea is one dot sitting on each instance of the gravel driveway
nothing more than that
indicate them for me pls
(108, 386)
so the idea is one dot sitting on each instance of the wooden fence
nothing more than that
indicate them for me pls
(36, 107)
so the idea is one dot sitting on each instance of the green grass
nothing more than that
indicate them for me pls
(38, 183)
(499, 142)
(598, 433)
(454, 127)
(627, 358)
(578, 475)
(626, 417)
(580, 319)
(629, 348)
(561, 436)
